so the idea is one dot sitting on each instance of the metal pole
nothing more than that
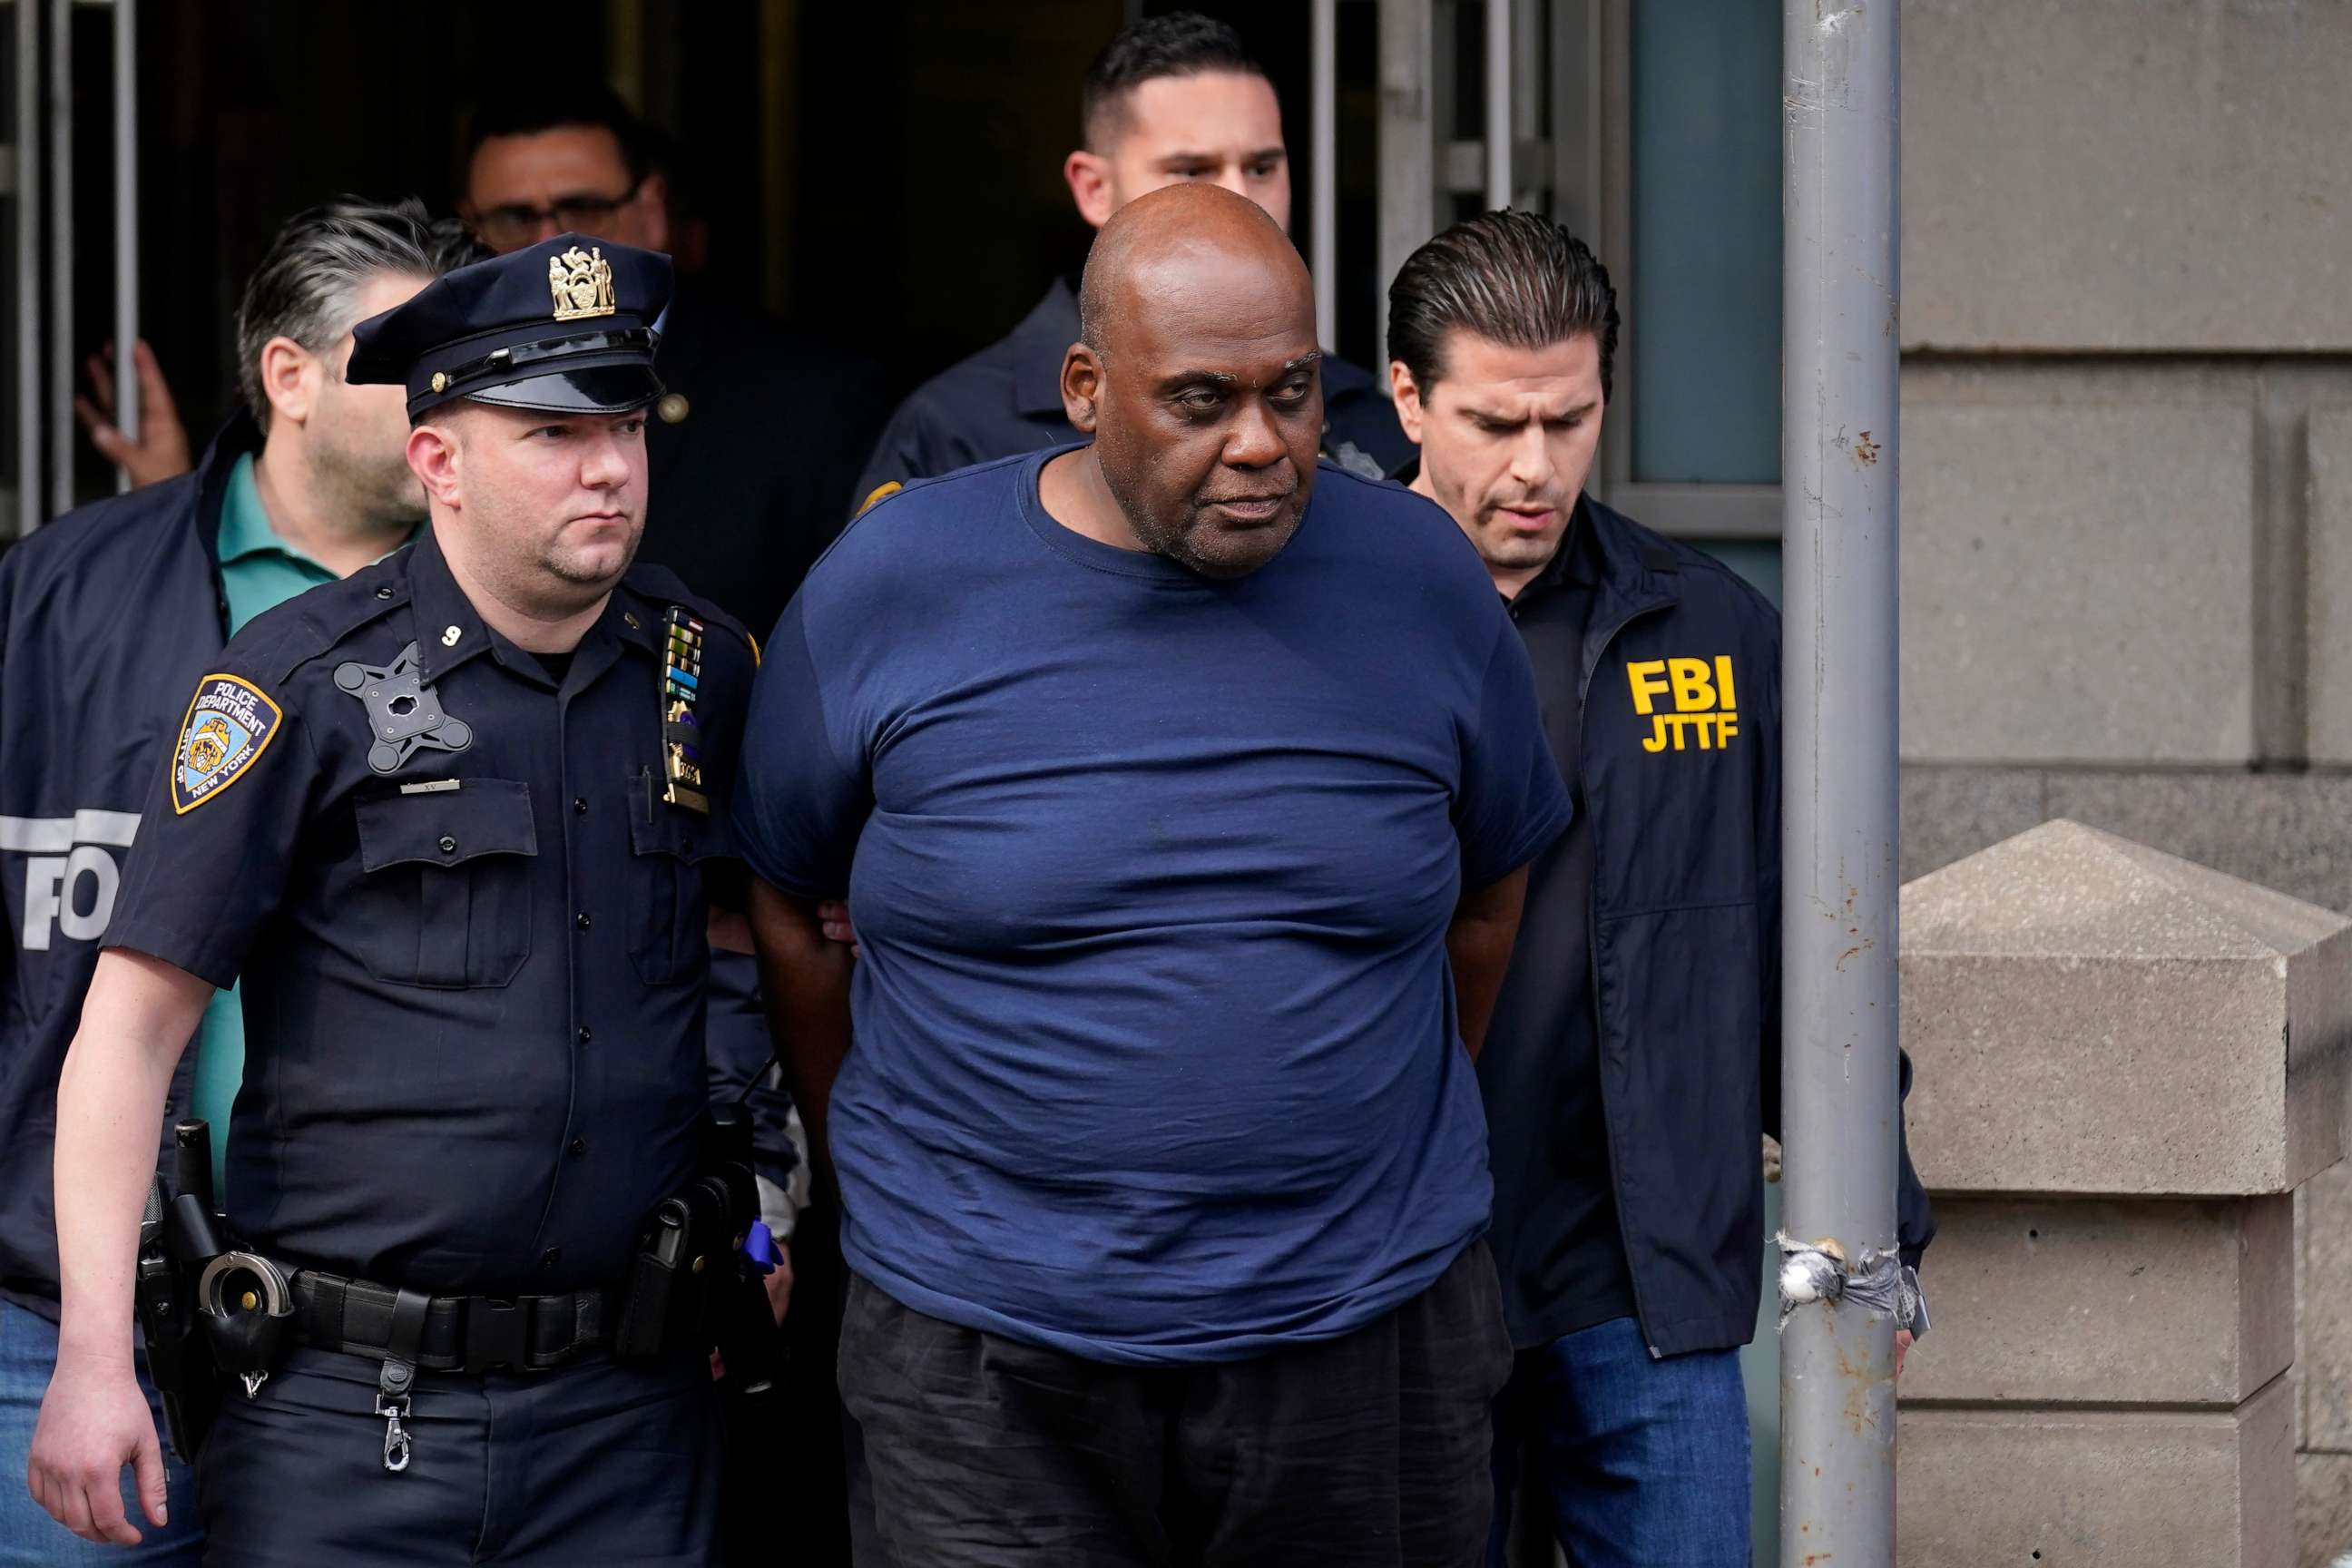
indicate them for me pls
(29, 267)
(1407, 145)
(126, 223)
(1324, 171)
(61, 227)
(1530, 74)
(1841, 93)
(1498, 103)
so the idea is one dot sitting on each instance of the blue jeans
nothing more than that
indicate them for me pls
(29, 1538)
(1646, 1461)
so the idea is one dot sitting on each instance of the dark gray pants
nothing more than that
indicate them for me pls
(1366, 1451)
(597, 1463)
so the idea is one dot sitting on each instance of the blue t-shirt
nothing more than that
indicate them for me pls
(1156, 1058)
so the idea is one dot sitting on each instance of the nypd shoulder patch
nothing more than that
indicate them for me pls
(230, 723)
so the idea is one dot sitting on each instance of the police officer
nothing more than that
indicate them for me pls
(458, 821)
(1169, 98)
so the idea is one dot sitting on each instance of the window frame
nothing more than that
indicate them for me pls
(1592, 68)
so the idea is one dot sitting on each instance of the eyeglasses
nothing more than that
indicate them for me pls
(517, 223)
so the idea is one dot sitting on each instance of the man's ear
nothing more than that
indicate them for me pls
(1082, 388)
(1406, 394)
(434, 458)
(291, 374)
(1088, 174)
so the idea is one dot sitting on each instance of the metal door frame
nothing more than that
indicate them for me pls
(39, 192)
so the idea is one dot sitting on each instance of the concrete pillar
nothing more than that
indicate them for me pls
(2126, 1066)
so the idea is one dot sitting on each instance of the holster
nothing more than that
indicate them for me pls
(687, 1281)
(178, 1237)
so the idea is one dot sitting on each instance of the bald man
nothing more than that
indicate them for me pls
(1181, 789)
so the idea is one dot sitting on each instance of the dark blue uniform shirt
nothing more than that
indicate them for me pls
(1007, 399)
(473, 985)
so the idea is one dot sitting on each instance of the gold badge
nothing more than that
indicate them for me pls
(582, 282)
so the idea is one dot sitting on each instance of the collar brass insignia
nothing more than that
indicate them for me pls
(582, 282)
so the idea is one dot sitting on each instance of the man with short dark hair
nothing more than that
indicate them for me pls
(1186, 848)
(562, 157)
(1634, 1059)
(108, 613)
(1173, 98)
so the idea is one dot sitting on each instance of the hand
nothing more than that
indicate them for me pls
(162, 450)
(832, 919)
(94, 1420)
(779, 1285)
(1902, 1349)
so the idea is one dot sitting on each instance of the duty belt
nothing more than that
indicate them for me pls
(472, 1334)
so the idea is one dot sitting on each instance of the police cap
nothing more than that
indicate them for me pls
(564, 326)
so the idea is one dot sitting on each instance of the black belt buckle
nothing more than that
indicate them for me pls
(498, 1334)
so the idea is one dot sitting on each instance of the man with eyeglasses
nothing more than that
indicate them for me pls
(756, 445)
(527, 180)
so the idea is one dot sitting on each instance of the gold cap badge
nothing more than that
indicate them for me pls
(582, 282)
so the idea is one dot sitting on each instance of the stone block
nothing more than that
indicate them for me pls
(2154, 1300)
(2088, 1016)
(2126, 174)
(2323, 1509)
(2290, 831)
(2324, 1358)
(2099, 1489)
(2026, 635)
(2328, 634)
(1949, 812)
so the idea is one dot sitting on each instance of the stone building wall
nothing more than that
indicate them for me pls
(2128, 475)
(2127, 428)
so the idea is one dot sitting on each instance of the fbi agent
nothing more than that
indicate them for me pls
(458, 821)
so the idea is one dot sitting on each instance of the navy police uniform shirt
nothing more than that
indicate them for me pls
(473, 984)
(1007, 399)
